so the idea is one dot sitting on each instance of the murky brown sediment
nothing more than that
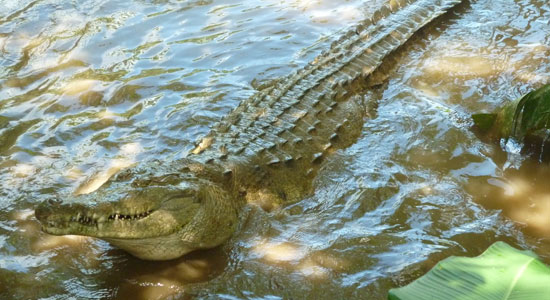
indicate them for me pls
(91, 87)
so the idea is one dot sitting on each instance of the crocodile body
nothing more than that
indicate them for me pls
(266, 151)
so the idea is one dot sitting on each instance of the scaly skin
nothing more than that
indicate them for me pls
(267, 151)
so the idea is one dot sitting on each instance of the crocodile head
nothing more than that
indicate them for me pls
(151, 216)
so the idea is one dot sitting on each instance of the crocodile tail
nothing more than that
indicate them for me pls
(364, 47)
(355, 55)
(302, 106)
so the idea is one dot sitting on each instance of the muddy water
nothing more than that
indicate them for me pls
(90, 87)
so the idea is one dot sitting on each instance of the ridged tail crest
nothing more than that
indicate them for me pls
(311, 112)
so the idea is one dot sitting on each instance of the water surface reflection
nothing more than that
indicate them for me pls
(90, 87)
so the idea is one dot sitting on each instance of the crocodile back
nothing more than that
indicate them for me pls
(275, 141)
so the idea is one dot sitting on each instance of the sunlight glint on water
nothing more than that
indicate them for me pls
(91, 87)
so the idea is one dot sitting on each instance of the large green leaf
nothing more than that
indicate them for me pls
(501, 272)
(528, 115)
(532, 112)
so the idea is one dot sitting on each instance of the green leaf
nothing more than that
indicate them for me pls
(484, 121)
(520, 118)
(532, 113)
(501, 272)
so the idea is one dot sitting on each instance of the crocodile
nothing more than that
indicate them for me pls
(266, 152)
